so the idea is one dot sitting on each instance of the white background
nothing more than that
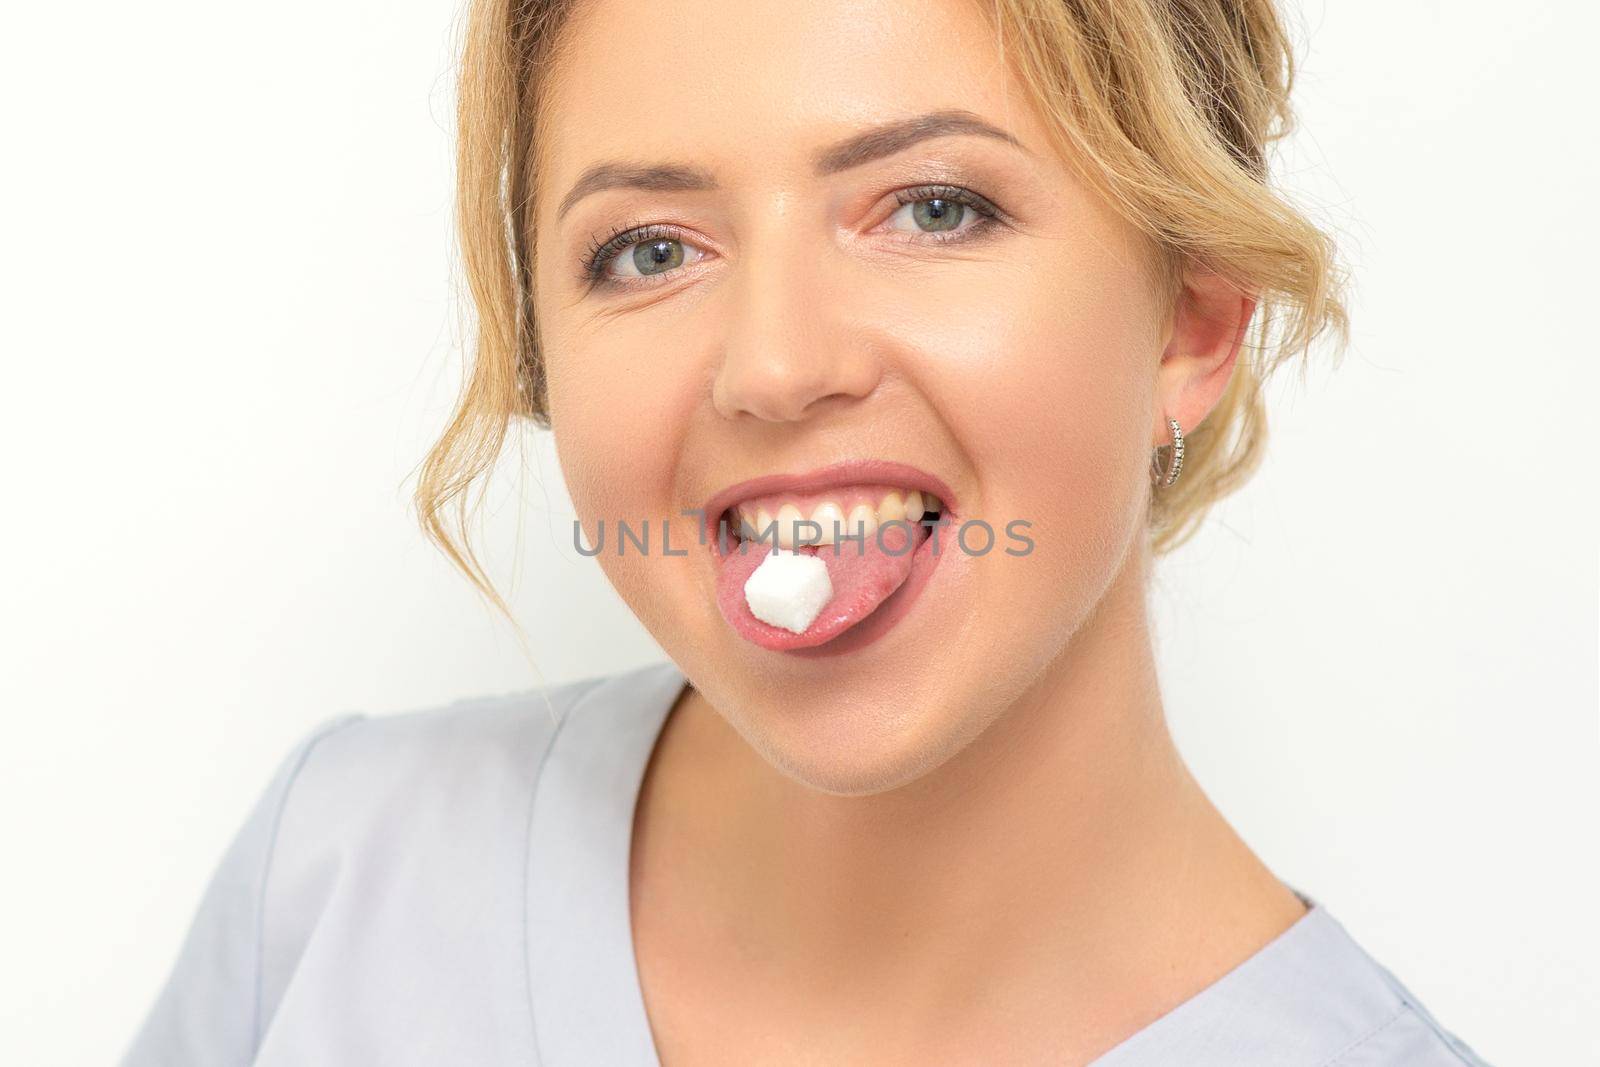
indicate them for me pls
(229, 332)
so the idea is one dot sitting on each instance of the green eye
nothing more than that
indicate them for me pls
(654, 257)
(937, 214)
(942, 212)
(638, 252)
(941, 209)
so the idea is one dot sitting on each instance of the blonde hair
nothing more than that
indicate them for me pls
(1167, 107)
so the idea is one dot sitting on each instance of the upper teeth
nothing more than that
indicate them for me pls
(862, 520)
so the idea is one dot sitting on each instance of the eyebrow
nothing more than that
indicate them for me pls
(876, 142)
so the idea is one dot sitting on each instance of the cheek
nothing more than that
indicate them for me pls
(619, 407)
(1063, 421)
(1054, 413)
(616, 415)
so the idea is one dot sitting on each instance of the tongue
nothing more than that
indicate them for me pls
(862, 579)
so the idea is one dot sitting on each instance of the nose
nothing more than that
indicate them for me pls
(790, 348)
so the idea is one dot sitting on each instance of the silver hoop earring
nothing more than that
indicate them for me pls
(1165, 479)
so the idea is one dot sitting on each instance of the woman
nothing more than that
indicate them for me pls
(1005, 278)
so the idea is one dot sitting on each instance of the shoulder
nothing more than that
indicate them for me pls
(1410, 1036)
(403, 839)
(1351, 1009)
(372, 767)
(385, 855)
(464, 768)
(1312, 997)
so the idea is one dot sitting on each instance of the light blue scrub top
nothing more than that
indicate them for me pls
(451, 887)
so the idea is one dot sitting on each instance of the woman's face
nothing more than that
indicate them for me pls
(798, 316)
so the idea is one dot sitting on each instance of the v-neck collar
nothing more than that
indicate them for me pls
(1293, 1001)
(583, 977)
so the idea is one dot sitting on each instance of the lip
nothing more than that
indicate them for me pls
(848, 472)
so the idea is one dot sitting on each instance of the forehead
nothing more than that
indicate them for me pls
(748, 86)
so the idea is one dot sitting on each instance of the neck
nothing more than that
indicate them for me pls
(1066, 848)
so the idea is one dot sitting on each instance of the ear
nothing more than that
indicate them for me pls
(1209, 320)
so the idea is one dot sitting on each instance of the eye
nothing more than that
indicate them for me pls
(941, 210)
(632, 253)
(639, 252)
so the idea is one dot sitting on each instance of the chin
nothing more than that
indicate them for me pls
(860, 726)
(878, 739)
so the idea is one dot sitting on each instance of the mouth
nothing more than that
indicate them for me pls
(878, 527)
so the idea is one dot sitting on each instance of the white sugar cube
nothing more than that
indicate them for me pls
(789, 589)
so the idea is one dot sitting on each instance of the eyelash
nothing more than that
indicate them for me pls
(602, 250)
